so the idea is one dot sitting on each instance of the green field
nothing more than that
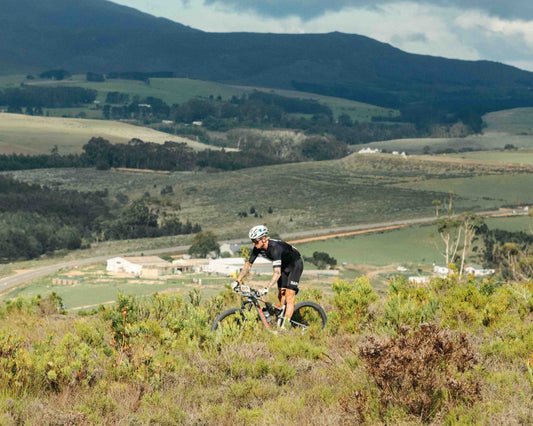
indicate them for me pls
(511, 224)
(516, 121)
(376, 254)
(180, 90)
(508, 127)
(484, 191)
(413, 245)
(523, 156)
(305, 196)
(92, 286)
(485, 142)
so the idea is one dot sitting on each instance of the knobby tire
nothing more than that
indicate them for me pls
(233, 315)
(308, 314)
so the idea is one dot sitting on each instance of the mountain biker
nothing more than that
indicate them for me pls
(286, 261)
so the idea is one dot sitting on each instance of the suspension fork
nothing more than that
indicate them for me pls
(281, 315)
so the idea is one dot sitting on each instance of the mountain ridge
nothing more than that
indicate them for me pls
(101, 36)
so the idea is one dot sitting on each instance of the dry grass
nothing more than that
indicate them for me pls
(24, 134)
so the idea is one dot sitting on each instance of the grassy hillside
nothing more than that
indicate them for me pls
(37, 135)
(303, 196)
(522, 156)
(514, 121)
(506, 127)
(180, 90)
(411, 356)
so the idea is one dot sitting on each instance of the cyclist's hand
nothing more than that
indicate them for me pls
(263, 291)
(235, 285)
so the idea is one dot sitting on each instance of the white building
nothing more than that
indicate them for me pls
(141, 266)
(231, 265)
(419, 280)
(442, 271)
(369, 151)
(478, 271)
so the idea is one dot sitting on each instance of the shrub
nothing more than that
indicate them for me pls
(15, 363)
(352, 302)
(422, 370)
(408, 304)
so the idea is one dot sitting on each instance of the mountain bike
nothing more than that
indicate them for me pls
(307, 314)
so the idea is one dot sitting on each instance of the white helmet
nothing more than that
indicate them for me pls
(257, 232)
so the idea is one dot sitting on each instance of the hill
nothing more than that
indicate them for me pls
(24, 134)
(412, 356)
(501, 130)
(99, 36)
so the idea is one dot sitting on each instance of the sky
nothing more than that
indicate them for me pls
(495, 30)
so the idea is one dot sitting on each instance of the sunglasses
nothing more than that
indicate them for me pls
(255, 241)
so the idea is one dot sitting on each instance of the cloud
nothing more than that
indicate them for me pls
(399, 39)
(308, 9)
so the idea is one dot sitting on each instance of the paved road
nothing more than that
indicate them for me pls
(18, 279)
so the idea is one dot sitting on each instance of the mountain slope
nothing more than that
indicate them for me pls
(97, 35)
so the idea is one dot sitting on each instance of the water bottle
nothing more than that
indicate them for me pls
(266, 314)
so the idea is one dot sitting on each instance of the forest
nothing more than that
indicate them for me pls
(37, 220)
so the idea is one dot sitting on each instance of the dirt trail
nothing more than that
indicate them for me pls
(345, 234)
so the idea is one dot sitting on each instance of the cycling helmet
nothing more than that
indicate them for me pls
(257, 232)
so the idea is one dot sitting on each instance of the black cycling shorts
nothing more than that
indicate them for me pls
(290, 275)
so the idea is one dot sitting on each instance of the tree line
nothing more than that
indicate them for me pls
(45, 97)
(178, 156)
(269, 110)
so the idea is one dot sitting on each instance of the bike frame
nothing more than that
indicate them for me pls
(251, 298)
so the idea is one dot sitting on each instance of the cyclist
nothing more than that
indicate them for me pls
(286, 261)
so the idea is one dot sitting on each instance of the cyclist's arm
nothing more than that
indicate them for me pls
(244, 271)
(275, 276)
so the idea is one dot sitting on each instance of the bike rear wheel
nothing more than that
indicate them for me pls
(307, 315)
(232, 318)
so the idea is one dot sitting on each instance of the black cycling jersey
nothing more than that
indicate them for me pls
(279, 252)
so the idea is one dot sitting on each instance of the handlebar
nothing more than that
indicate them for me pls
(247, 291)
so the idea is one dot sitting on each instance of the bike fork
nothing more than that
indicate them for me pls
(281, 316)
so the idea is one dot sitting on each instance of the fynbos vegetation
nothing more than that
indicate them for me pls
(452, 352)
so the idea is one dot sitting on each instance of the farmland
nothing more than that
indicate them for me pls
(376, 255)
(509, 127)
(180, 90)
(23, 134)
(305, 196)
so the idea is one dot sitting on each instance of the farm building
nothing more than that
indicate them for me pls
(231, 265)
(478, 271)
(142, 266)
(419, 279)
(442, 271)
(190, 265)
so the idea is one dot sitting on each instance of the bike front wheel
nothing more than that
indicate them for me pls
(233, 318)
(307, 315)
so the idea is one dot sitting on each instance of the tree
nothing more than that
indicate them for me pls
(458, 234)
(437, 204)
(451, 193)
(518, 263)
(450, 231)
(470, 223)
(322, 259)
(203, 243)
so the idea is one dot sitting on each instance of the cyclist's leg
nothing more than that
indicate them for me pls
(290, 296)
(293, 279)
